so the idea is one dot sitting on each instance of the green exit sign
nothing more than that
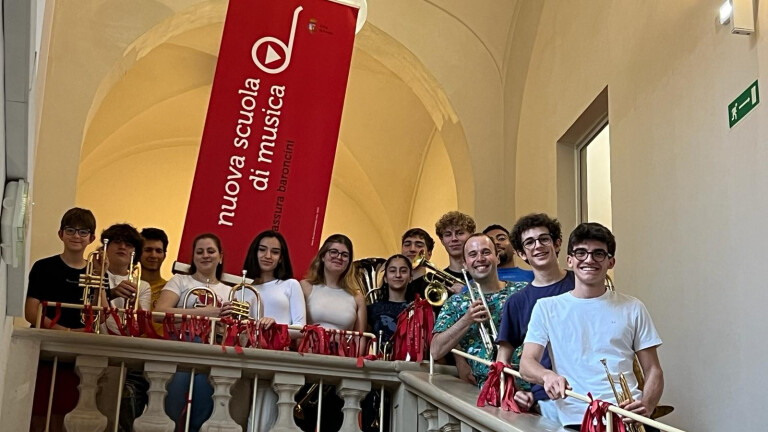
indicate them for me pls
(743, 104)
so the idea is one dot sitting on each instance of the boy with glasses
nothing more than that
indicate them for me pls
(588, 325)
(56, 279)
(536, 238)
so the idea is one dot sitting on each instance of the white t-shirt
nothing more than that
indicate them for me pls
(283, 301)
(144, 295)
(179, 284)
(579, 332)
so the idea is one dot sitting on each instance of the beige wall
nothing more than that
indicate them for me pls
(687, 206)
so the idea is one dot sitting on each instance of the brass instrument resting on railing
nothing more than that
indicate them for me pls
(370, 273)
(134, 276)
(488, 337)
(241, 309)
(438, 282)
(207, 292)
(625, 395)
(94, 282)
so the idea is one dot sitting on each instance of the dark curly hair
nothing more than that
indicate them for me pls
(534, 220)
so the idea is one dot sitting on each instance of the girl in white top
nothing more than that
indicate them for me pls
(333, 297)
(205, 271)
(269, 264)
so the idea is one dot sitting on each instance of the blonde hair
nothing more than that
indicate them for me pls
(316, 273)
(454, 219)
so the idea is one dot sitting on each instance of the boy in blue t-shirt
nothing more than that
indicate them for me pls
(537, 239)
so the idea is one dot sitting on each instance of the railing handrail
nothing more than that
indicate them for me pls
(134, 350)
(613, 408)
(164, 314)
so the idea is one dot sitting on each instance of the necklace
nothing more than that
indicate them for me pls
(208, 281)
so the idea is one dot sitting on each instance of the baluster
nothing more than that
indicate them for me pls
(286, 385)
(86, 416)
(447, 422)
(154, 418)
(221, 420)
(352, 391)
(429, 412)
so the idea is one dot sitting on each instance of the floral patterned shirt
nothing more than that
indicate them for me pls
(471, 343)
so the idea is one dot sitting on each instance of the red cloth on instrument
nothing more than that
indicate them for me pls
(232, 334)
(88, 311)
(55, 318)
(131, 326)
(595, 416)
(491, 392)
(146, 325)
(190, 328)
(275, 338)
(118, 322)
(413, 333)
(315, 340)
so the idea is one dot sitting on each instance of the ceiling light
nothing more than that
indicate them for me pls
(725, 12)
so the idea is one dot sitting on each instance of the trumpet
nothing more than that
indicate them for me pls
(660, 410)
(624, 395)
(206, 292)
(134, 276)
(438, 282)
(93, 283)
(488, 337)
(241, 309)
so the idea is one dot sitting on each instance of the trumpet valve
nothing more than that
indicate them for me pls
(241, 309)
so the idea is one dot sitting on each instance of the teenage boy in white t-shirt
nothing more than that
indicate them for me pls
(590, 323)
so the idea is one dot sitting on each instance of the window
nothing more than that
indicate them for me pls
(595, 179)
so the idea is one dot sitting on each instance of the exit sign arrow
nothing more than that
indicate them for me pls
(743, 104)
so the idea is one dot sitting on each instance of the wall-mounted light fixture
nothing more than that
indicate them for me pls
(741, 15)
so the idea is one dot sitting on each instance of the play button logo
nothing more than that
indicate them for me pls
(272, 55)
(276, 50)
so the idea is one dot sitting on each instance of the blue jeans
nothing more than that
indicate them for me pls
(176, 400)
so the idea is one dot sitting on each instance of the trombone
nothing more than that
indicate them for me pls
(485, 335)
(439, 282)
(93, 284)
(623, 396)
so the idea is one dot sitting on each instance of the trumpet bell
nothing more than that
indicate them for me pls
(436, 293)
(370, 276)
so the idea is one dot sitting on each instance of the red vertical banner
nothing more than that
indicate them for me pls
(270, 134)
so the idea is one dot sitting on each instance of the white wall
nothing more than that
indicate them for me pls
(688, 210)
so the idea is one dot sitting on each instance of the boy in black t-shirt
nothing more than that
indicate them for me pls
(56, 278)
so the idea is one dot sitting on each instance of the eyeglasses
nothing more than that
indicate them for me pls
(82, 232)
(335, 253)
(544, 240)
(598, 255)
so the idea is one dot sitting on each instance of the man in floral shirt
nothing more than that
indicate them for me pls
(457, 325)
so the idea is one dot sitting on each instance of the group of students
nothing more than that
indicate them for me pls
(553, 322)
(561, 324)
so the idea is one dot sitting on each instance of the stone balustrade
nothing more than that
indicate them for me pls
(420, 402)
